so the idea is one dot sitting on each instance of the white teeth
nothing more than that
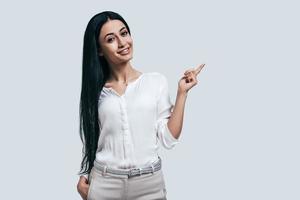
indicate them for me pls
(124, 51)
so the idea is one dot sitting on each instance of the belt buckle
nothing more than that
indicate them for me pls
(133, 171)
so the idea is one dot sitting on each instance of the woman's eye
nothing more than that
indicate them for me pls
(124, 33)
(110, 39)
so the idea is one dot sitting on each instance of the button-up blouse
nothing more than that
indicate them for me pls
(131, 124)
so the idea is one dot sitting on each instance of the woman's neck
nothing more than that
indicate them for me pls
(122, 73)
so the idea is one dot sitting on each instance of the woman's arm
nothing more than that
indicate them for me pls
(176, 120)
(184, 85)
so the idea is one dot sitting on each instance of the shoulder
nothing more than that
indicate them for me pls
(156, 76)
(157, 81)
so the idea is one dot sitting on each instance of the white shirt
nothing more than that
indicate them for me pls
(131, 124)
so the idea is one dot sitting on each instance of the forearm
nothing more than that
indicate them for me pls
(176, 120)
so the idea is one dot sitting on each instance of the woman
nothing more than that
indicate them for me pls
(123, 115)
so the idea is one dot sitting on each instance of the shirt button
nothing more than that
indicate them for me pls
(125, 126)
(123, 104)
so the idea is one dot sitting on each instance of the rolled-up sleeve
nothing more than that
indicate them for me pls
(164, 110)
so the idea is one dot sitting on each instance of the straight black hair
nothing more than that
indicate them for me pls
(95, 72)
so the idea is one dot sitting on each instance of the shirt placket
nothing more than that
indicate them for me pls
(127, 143)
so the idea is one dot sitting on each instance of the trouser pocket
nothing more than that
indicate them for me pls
(91, 183)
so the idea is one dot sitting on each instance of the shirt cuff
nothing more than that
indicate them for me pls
(169, 140)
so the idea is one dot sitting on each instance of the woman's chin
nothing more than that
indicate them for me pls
(122, 61)
(127, 59)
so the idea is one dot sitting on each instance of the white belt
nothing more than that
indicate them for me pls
(155, 166)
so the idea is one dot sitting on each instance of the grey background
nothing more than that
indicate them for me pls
(240, 138)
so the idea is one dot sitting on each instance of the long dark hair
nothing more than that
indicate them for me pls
(95, 72)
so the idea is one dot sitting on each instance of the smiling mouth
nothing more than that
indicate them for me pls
(124, 51)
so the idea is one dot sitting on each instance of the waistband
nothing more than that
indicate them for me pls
(153, 167)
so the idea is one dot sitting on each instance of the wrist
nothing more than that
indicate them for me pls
(182, 93)
(83, 179)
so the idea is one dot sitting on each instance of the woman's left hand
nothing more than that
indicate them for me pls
(189, 79)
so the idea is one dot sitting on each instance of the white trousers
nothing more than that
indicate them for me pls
(107, 186)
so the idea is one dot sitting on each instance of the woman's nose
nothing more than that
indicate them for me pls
(122, 42)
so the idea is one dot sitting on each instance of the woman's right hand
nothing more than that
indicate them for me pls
(83, 187)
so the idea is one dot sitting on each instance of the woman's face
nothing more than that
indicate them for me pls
(115, 42)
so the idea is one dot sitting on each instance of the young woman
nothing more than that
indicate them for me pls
(123, 114)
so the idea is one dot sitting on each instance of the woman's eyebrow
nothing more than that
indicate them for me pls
(113, 33)
(122, 28)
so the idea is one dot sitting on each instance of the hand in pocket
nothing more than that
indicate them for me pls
(83, 187)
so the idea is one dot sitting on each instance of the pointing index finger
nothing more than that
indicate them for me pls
(198, 69)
